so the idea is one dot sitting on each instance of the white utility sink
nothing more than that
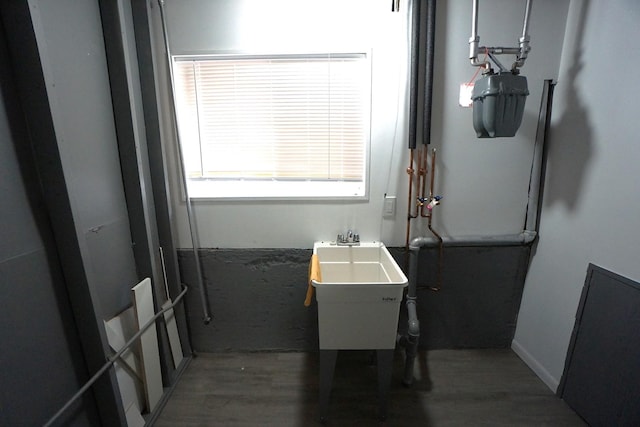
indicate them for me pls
(359, 296)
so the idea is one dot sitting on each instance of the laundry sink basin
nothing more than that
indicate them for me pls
(359, 296)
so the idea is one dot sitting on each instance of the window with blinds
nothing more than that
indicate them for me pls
(274, 126)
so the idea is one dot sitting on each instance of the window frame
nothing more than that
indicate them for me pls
(279, 191)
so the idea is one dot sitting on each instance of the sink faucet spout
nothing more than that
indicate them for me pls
(348, 239)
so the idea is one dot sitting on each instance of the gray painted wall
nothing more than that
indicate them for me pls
(591, 200)
(257, 298)
(75, 70)
(37, 331)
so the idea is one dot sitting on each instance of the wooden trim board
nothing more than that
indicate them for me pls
(127, 367)
(172, 332)
(149, 351)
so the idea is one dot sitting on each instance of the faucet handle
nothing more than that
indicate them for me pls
(348, 239)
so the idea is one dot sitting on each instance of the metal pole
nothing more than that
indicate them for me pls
(112, 359)
(475, 39)
(190, 215)
(524, 40)
(525, 25)
(536, 176)
(474, 20)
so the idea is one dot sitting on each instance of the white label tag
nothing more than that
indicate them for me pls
(465, 95)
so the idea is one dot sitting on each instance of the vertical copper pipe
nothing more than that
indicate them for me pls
(423, 175)
(433, 171)
(409, 216)
(424, 169)
(421, 157)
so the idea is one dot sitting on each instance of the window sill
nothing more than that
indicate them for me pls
(214, 189)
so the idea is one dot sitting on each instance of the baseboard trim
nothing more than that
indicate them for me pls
(535, 366)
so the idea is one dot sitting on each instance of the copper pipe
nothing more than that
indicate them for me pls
(424, 169)
(420, 181)
(423, 175)
(433, 171)
(422, 156)
(410, 172)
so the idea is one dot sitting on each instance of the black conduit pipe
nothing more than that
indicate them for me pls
(413, 80)
(428, 72)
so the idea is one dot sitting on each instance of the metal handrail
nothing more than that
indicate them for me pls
(112, 359)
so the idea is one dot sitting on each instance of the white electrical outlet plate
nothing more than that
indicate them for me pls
(466, 89)
(389, 209)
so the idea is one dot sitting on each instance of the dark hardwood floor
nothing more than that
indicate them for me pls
(452, 388)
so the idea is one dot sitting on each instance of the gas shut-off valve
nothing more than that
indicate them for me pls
(431, 203)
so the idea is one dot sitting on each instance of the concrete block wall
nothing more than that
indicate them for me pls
(257, 298)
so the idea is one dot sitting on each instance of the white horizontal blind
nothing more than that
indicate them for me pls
(286, 117)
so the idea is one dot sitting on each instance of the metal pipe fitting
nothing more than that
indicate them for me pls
(525, 48)
(474, 40)
(522, 51)
(525, 24)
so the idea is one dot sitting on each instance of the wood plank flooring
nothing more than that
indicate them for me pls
(452, 388)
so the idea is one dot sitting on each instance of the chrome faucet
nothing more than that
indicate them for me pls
(350, 239)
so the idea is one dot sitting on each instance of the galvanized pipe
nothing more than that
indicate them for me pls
(522, 51)
(112, 359)
(474, 20)
(524, 40)
(474, 40)
(195, 242)
(500, 50)
(525, 25)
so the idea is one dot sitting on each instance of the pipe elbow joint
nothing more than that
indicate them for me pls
(414, 328)
(413, 322)
(418, 242)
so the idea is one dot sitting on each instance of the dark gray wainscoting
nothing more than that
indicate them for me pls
(257, 298)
